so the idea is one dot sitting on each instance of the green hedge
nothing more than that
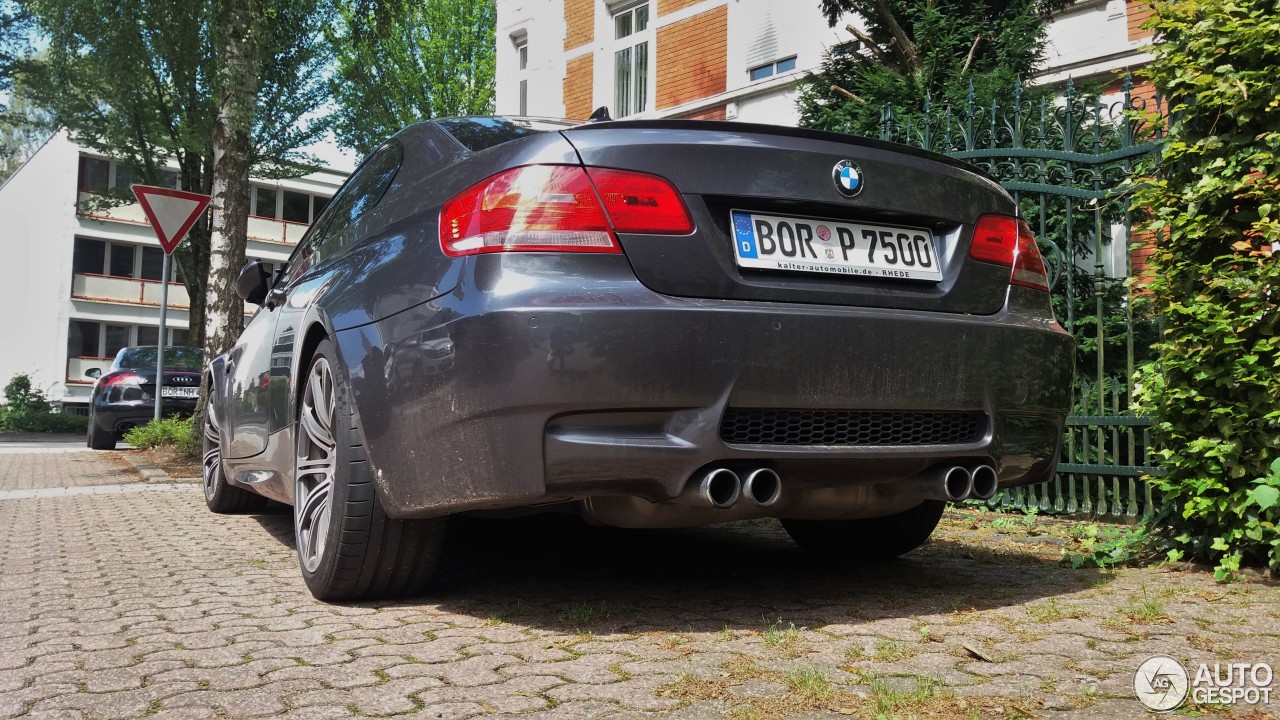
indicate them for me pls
(1214, 204)
(27, 410)
(166, 432)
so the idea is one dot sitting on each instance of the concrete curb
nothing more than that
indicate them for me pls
(152, 474)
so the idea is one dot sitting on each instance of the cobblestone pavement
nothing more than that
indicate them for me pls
(142, 604)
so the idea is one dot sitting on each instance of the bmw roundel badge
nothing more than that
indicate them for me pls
(848, 178)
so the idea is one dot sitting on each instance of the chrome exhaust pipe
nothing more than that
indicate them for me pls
(719, 488)
(763, 487)
(957, 483)
(984, 482)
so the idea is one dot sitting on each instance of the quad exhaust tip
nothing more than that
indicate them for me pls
(957, 483)
(983, 482)
(763, 487)
(720, 488)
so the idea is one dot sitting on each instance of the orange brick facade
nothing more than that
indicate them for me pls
(669, 6)
(580, 23)
(691, 58)
(711, 113)
(1136, 13)
(578, 77)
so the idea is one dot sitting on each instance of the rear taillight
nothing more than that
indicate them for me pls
(531, 208)
(556, 208)
(1008, 241)
(641, 203)
(123, 379)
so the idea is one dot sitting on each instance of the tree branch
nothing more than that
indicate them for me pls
(969, 58)
(848, 94)
(905, 46)
(870, 44)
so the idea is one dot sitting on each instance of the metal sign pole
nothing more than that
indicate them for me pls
(164, 310)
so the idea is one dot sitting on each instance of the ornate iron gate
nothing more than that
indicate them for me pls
(1068, 158)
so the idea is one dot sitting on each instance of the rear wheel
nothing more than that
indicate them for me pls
(868, 539)
(100, 438)
(219, 495)
(348, 548)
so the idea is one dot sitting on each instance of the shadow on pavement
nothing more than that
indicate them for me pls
(558, 573)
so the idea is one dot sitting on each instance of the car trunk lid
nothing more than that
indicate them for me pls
(735, 176)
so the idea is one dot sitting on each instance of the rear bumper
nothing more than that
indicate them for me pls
(567, 382)
(117, 418)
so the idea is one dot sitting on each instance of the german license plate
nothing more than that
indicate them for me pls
(773, 242)
(178, 392)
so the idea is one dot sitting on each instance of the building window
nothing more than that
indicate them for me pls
(95, 175)
(773, 68)
(296, 207)
(120, 262)
(264, 202)
(148, 335)
(152, 264)
(115, 339)
(82, 339)
(522, 72)
(89, 256)
(631, 59)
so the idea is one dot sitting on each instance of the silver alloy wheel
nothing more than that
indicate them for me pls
(313, 484)
(211, 463)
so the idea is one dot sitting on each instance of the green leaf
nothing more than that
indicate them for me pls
(1265, 496)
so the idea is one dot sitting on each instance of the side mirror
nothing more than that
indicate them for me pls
(253, 283)
(94, 373)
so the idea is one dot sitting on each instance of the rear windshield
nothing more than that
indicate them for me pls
(481, 133)
(175, 358)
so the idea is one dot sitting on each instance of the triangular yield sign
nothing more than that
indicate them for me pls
(171, 212)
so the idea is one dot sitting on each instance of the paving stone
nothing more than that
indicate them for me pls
(139, 603)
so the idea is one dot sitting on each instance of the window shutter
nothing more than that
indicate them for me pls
(771, 31)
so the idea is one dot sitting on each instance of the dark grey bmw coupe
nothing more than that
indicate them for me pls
(651, 323)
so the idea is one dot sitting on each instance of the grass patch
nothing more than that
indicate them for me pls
(1145, 610)
(810, 682)
(1051, 611)
(583, 614)
(892, 651)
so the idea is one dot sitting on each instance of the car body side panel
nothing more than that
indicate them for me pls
(246, 401)
(396, 263)
(566, 377)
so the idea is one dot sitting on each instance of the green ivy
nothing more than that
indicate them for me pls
(1214, 203)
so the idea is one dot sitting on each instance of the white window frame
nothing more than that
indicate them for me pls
(629, 43)
(521, 44)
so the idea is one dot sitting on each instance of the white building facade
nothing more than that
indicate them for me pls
(730, 59)
(82, 282)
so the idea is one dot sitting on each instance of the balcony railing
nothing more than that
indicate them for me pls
(260, 228)
(134, 291)
(78, 366)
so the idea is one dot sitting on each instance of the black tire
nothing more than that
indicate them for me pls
(870, 539)
(365, 554)
(99, 438)
(219, 495)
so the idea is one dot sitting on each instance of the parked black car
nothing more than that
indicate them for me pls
(124, 396)
(652, 323)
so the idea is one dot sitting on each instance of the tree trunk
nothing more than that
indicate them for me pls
(238, 80)
(228, 237)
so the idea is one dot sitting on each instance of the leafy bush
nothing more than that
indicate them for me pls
(166, 432)
(26, 409)
(1215, 281)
